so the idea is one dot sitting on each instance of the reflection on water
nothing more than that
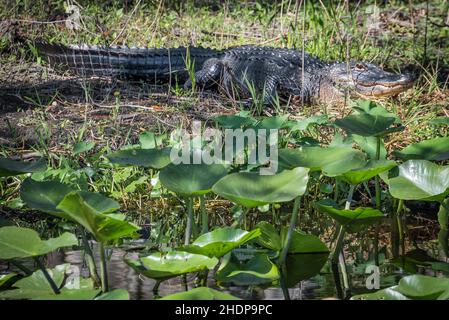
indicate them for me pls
(140, 288)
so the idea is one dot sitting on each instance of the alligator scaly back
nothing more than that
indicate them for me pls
(125, 61)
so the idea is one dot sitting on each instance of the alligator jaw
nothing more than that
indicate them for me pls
(388, 86)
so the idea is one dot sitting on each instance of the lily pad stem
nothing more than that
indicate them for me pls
(204, 217)
(103, 268)
(378, 200)
(90, 258)
(52, 283)
(291, 228)
(189, 220)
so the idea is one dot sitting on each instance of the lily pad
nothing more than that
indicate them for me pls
(16, 242)
(46, 195)
(440, 121)
(418, 180)
(333, 161)
(191, 179)
(234, 121)
(104, 227)
(256, 271)
(433, 149)
(148, 158)
(414, 287)
(7, 279)
(370, 170)
(352, 220)
(269, 237)
(36, 287)
(10, 167)
(220, 241)
(303, 243)
(301, 267)
(163, 266)
(250, 189)
(83, 146)
(384, 294)
(201, 293)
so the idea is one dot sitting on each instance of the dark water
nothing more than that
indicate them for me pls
(320, 286)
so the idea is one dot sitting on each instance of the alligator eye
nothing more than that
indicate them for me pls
(360, 67)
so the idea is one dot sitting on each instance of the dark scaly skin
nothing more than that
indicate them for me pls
(269, 72)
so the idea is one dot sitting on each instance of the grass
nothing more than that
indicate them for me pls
(48, 120)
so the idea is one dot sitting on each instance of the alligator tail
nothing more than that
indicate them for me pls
(124, 61)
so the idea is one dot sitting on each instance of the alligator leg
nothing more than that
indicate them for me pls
(208, 76)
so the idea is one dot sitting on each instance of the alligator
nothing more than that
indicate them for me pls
(243, 72)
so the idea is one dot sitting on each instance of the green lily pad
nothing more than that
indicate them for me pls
(305, 123)
(256, 271)
(369, 146)
(301, 267)
(201, 293)
(418, 180)
(424, 287)
(370, 170)
(191, 179)
(148, 158)
(104, 227)
(163, 266)
(433, 149)
(46, 195)
(268, 123)
(18, 242)
(384, 294)
(269, 237)
(117, 294)
(440, 121)
(10, 167)
(83, 146)
(220, 241)
(352, 220)
(234, 121)
(303, 243)
(333, 161)
(250, 189)
(36, 287)
(7, 279)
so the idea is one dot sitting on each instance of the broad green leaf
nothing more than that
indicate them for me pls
(257, 270)
(301, 267)
(148, 158)
(234, 121)
(440, 121)
(191, 179)
(352, 220)
(46, 195)
(370, 170)
(443, 214)
(6, 279)
(268, 123)
(369, 146)
(269, 237)
(367, 125)
(117, 294)
(433, 149)
(36, 287)
(333, 161)
(163, 266)
(418, 180)
(10, 167)
(220, 241)
(83, 146)
(104, 227)
(303, 243)
(147, 140)
(424, 287)
(18, 242)
(305, 123)
(201, 293)
(251, 190)
(384, 294)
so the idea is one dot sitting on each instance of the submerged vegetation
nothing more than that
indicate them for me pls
(348, 179)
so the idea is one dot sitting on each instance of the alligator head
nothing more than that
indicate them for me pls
(363, 79)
